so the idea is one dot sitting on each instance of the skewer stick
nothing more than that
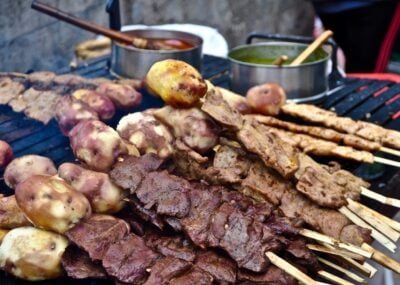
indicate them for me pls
(365, 269)
(373, 220)
(348, 273)
(383, 259)
(392, 223)
(337, 252)
(390, 150)
(333, 278)
(371, 268)
(386, 161)
(289, 269)
(374, 233)
(334, 242)
(380, 198)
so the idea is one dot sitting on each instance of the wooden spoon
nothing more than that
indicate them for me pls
(312, 47)
(164, 44)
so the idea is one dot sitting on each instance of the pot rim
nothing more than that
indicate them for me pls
(273, 43)
(179, 35)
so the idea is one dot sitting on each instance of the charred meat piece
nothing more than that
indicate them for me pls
(129, 259)
(130, 171)
(78, 264)
(222, 268)
(9, 89)
(43, 108)
(11, 215)
(97, 233)
(166, 269)
(324, 188)
(273, 276)
(218, 109)
(194, 276)
(148, 215)
(146, 133)
(269, 147)
(192, 126)
(169, 194)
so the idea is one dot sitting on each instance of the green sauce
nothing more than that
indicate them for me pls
(268, 53)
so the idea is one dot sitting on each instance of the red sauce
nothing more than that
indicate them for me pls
(164, 44)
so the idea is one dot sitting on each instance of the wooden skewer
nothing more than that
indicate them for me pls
(374, 233)
(333, 278)
(289, 269)
(386, 161)
(373, 220)
(380, 198)
(383, 259)
(312, 47)
(367, 270)
(334, 242)
(371, 268)
(392, 223)
(337, 252)
(348, 273)
(390, 150)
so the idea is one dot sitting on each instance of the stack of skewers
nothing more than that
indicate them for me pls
(215, 197)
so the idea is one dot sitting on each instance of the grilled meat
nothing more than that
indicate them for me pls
(330, 119)
(9, 89)
(320, 132)
(212, 217)
(11, 216)
(78, 264)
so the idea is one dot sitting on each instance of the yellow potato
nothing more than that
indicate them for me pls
(176, 82)
(104, 196)
(32, 254)
(3, 233)
(51, 203)
(25, 166)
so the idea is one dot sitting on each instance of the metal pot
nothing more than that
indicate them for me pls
(304, 83)
(128, 61)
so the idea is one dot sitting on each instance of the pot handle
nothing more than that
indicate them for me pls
(335, 77)
(112, 8)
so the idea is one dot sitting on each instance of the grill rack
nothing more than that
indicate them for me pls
(356, 98)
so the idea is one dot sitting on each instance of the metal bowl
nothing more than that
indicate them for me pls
(131, 62)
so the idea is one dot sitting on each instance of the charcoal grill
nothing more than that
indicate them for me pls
(370, 100)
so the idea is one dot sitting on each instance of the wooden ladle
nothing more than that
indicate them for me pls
(312, 47)
(144, 43)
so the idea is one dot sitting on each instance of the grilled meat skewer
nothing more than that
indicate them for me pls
(329, 119)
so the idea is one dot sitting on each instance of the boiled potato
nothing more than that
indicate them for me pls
(103, 106)
(97, 145)
(51, 203)
(6, 154)
(25, 166)
(104, 196)
(71, 111)
(122, 95)
(266, 99)
(146, 133)
(176, 82)
(32, 254)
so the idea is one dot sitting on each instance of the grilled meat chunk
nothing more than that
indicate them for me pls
(128, 259)
(218, 109)
(9, 89)
(11, 215)
(78, 264)
(129, 173)
(194, 276)
(97, 233)
(273, 276)
(166, 269)
(269, 147)
(222, 268)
